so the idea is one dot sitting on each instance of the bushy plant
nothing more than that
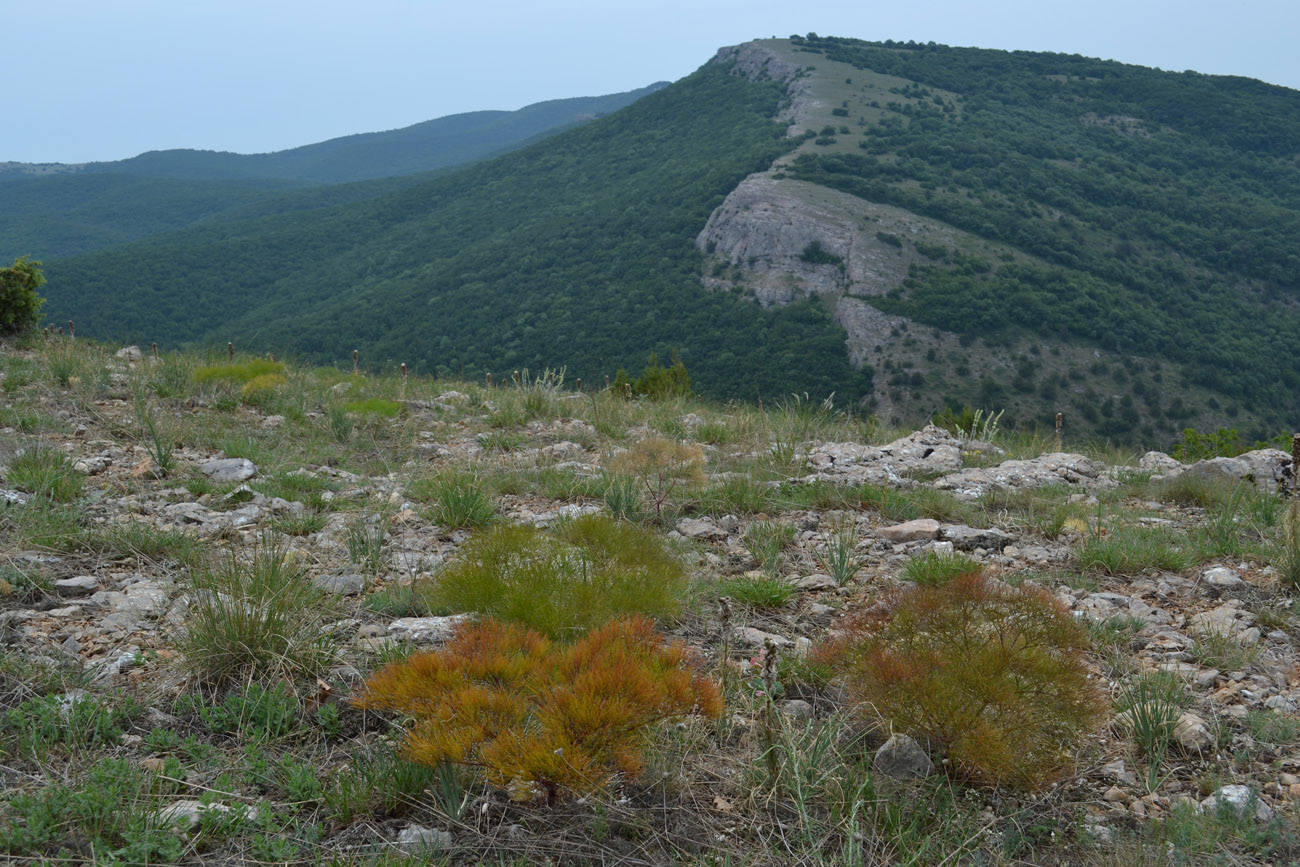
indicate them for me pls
(540, 718)
(662, 466)
(586, 572)
(458, 499)
(767, 541)
(20, 306)
(991, 676)
(45, 472)
(255, 620)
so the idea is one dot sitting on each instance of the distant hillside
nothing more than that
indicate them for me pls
(924, 228)
(54, 210)
(423, 147)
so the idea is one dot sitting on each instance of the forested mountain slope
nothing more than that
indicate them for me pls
(576, 251)
(55, 210)
(1024, 231)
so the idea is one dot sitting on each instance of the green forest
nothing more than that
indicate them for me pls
(1148, 214)
(1173, 237)
(577, 251)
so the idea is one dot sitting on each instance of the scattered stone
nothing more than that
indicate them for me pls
(1115, 795)
(187, 814)
(910, 531)
(425, 630)
(902, 757)
(1240, 800)
(797, 708)
(1267, 469)
(415, 837)
(228, 469)
(757, 637)
(700, 528)
(351, 584)
(1222, 576)
(92, 465)
(72, 588)
(129, 353)
(931, 449)
(1050, 469)
(965, 538)
(817, 581)
(1192, 734)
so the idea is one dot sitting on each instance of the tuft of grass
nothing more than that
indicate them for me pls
(306, 524)
(141, 541)
(1128, 550)
(767, 541)
(622, 497)
(933, 568)
(1273, 727)
(254, 620)
(366, 535)
(238, 373)
(836, 555)
(758, 591)
(46, 473)
(374, 406)
(1223, 651)
(1149, 705)
(1285, 551)
(586, 572)
(737, 495)
(457, 499)
(399, 601)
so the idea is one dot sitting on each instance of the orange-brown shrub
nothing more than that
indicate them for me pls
(991, 676)
(540, 716)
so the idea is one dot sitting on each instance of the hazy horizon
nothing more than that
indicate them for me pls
(100, 83)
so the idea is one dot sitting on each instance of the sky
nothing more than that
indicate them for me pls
(94, 80)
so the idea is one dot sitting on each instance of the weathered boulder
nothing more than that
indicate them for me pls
(228, 469)
(1267, 469)
(1057, 468)
(902, 757)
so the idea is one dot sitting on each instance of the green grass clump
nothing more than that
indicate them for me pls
(64, 723)
(1272, 727)
(758, 591)
(374, 406)
(1128, 550)
(1149, 706)
(457, 499)
(257, 620)
(46, 473)
(767, 541)
(586, 572)
(933, 568)
(238, 373)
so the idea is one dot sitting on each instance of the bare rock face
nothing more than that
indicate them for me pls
(1057, 468)
(1268, 469)
(927, 450)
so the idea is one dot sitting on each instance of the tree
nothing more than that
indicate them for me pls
(20, 306)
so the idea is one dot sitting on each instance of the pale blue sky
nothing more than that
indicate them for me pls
(106, 79)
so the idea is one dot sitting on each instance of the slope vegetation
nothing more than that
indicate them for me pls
(576, 251)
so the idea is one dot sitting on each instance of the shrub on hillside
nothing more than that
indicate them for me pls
(20, 306)
(586, 572)
(991, 676)
(538, 717)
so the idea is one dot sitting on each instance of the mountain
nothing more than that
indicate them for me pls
(918, 227)
(53, 210)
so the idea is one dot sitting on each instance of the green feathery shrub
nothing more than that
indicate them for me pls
(991, 676)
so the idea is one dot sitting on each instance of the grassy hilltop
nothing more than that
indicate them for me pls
(264, 612)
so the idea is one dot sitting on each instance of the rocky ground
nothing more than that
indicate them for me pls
(1177, 568)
